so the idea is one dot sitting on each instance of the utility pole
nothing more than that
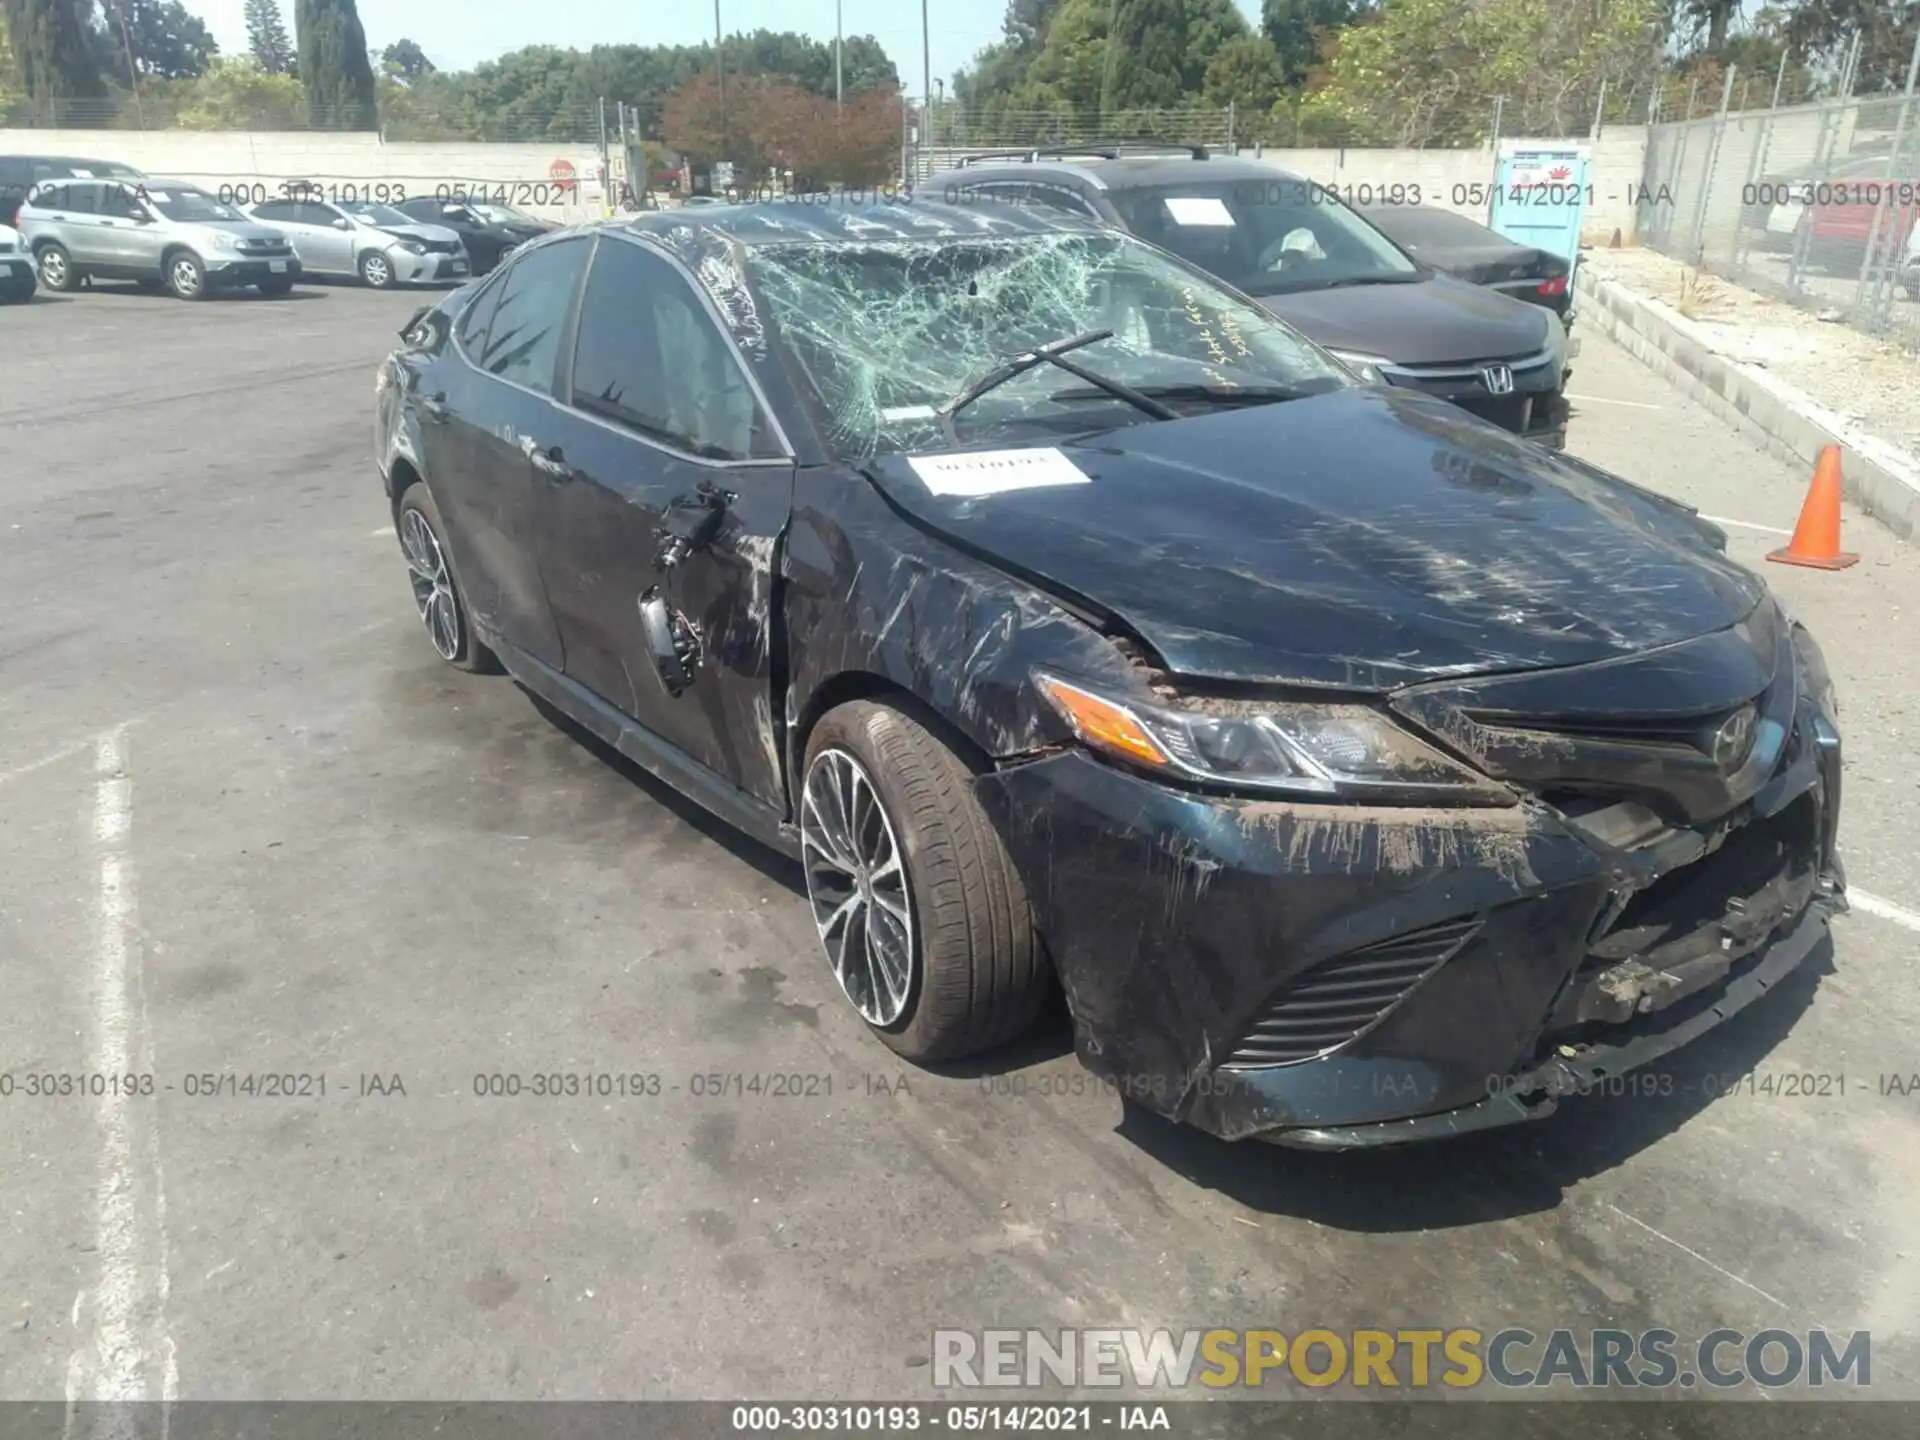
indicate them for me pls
(720, 64)
(839, 41)
(926, 67)
(1106, 78)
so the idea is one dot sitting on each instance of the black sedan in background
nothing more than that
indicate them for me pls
(1468, 250)
(1309, 258)
(1362, 772)
(489, 231)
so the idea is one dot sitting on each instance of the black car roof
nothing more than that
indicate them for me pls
(813, 219)
(1125, 172)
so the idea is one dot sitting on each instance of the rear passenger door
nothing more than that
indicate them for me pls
(73, 206)
(499, 406)
(659, 404)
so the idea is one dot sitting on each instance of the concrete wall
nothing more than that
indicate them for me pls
(212, 159)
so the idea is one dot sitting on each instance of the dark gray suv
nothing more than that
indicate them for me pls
(1292, 245)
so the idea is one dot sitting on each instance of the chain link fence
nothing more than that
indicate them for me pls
(1811, 200)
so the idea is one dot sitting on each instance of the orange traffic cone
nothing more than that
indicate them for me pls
(1816, 539)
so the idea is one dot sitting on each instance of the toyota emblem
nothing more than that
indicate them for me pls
(1498, 379)
(1729, 744)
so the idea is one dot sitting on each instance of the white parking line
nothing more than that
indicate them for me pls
(131, 1355)
(1604, 400)
(1746, 525)
(1885, 909)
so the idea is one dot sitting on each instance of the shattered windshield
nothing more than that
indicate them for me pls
(1266, 237)
(886, 332)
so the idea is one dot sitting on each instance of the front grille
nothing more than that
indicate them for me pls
(1336, 1000)
(442, 247)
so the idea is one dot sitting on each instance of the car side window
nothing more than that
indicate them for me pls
(471, 333)
(651, 357)
(283, 211)
(71, 197)
(1058, 197)
(523, 335)
(315, 213)
(116, 201)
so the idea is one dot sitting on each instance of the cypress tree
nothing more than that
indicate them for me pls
(334, 67)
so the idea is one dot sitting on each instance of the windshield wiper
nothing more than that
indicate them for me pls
(1395, 279)
(1229, 394)
(1052, 353)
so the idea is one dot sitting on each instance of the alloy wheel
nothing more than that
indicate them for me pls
(376, 270)
(857, 884)
(185, 275)
(432, 584)
(53, 269)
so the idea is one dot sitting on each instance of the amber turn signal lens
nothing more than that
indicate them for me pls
(1103, 723)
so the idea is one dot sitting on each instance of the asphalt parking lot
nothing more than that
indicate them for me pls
(250, 825)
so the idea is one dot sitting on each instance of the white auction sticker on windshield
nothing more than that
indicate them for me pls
(1199, 210)
(995, 472)
(162, 196)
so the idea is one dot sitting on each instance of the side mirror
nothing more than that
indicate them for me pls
(341, 222)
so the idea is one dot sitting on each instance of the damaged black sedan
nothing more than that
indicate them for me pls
(1362, 772)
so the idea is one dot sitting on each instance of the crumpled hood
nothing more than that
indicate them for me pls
(1429, 322)
(418, 232)
(1364, 539)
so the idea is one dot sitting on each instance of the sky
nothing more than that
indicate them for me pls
(458, 34)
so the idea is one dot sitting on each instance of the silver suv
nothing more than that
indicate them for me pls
(377, 243)
(155, 232)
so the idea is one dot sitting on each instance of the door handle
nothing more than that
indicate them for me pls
(547, 461)
(434, 406)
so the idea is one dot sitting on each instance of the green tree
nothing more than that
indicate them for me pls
(1426, 72)
(52, 53)
(1298, 28)
(334, 69)
(267, 38)
(167, 42)
(236, 94)
(1247, 74)
(1886, 29)
(405, 60)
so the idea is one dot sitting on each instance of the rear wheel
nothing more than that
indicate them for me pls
(186, 276)
(921, 913)
(436, 594)
(56, 268)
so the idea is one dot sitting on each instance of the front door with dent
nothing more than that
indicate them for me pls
(659, 404)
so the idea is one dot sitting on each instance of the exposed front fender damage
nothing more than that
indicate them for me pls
(872, 596)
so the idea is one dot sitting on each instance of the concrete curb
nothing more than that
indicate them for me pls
(1788, 423)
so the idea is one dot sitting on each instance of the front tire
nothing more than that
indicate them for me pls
(376, 270)
(186, 276)
(436, 593)
(56, 269)
(924, 919)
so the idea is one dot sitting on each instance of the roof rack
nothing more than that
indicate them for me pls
(1026, 153)
(1116, 149)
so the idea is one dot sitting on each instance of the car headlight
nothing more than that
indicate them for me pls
(413, 247)
(225, 240)
(1274, 747)
(1815, 681)
(1368, 367)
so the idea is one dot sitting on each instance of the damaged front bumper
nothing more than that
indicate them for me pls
(1336, 977)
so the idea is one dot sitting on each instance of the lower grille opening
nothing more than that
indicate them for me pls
(1694, 927)
(1337, 999)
